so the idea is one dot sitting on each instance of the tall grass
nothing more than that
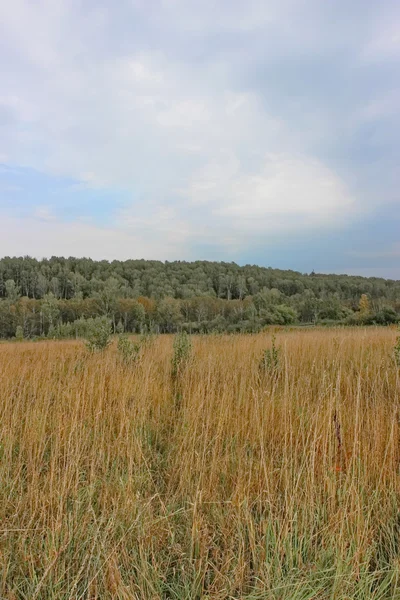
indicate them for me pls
(256, 485)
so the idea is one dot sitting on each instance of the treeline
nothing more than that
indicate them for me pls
(55, 296)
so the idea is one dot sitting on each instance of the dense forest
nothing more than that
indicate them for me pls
(54, 297)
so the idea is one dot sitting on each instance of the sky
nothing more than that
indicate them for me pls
(263, 132)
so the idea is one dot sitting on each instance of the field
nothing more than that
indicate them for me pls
(119, 481)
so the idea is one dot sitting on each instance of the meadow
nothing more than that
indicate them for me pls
(225, 481)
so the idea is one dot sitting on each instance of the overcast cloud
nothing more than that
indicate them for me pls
(251, 131)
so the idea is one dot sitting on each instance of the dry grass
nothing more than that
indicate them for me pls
(118, 483)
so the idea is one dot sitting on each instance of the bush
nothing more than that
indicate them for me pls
(65, 330)
(98, 333)
(386, 316)
(128, 350)
(52, 333)
(19, 333)
(119, 328)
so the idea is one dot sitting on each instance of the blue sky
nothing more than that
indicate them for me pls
(262, 132)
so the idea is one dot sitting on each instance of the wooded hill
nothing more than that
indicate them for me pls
(47, 296)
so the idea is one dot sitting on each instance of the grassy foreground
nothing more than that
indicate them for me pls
(118, 483)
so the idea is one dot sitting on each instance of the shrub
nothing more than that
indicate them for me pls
(52, 333)
(119, 328)
(19, 333)
(98, 333)
(386, 316)
(65, 330)
(128, 350)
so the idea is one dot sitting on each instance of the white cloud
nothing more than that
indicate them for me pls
(285, 185)
(93, 100)
(42, 238)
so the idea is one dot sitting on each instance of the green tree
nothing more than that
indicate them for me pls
(169, 315)
(107, 299)
(132, 313)
(12, 291)
(50, 310)
(98, 333)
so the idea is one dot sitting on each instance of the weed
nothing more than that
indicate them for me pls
(182, 350)
(148, 338)
(270, 360)
(129, 351)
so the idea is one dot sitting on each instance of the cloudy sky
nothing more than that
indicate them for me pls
(254, 131)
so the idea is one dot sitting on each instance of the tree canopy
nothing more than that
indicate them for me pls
(42, 296)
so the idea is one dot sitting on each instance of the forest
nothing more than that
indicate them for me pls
(55, 297)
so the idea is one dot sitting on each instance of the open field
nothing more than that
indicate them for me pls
(228, 483)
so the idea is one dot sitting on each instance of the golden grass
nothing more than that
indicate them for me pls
(118, 483)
